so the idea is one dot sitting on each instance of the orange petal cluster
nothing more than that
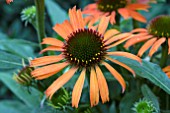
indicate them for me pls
(166, 70)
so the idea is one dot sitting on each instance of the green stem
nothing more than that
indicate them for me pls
(40, 18)
(167, 101)
(164, 57)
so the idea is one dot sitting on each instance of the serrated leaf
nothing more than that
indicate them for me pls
(149, 71)
(9, 61)
(31, 100)
(52, 8)
(147, 93)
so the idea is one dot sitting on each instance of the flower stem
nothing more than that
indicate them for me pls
(164, 56)
(40, 9)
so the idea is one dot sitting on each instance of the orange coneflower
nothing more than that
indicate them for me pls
(9, 1)
(157, 33)
(166, 70)
(84, 49)
(111, 7)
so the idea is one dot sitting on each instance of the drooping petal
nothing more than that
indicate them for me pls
(139, 30)
(94, 90)
(166, 69)
(168, 45)
(110, 33)
(103, 87)
(49, 69)
(76, 94)
(125, 54)
(137, 16)
(124, 13)
(91, 6)
(52, 41)
(168, 74)
(117, 76)
(45, 76)
(60, 82)
(156, 45)
(67, 27)
(146, 46)
(112, 17)
(137, 6)
(119, 42)
(137, 38)
(122, 64)
(9, 1)
(51, 48)
(117, 37)
(103, 24)
(45, 60)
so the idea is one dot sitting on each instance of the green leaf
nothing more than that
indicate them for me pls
(31, 100)
(7, 106)
(18, 47)
(149, 95)
(128, 101)
(57, 15)
(149, 71)
(9, 61)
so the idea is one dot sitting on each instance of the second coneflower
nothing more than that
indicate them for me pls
(157, 33)
(111, 7)
(84, 49)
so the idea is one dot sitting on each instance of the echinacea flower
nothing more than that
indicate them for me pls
(112, 7)
(84, 49)
(156, 33)
(9, 1)
(166, 70)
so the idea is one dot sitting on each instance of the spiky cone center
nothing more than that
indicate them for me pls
(111, 5)
(160, 26)
(84, 48)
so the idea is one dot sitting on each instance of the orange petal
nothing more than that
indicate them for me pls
(73, 18)
(117, 76)
(58, 29)
(125, 54)
(103, 24)
(156, 45)
(166, 69)
(124, 13)
(112, 17)
(122, 64)
(119, 42)
(45, 76)
(103, 88)
(137, 16)
(80, 19)
(110, 33)
(9, 1)
(136, 6)
(140, 30)
(169, 45)
(67, 27)
(117, 37)
(94, 90)
(87, 19)
(51, 48)
(49, 69)
(52, 41)
(146, 46)
(76, 94)
(60, 82)
(137, 38)
(168, 74)
(90, 7)
(45, 60)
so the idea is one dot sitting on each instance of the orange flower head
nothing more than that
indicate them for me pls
(110, 7)
(85, 48)
(157, 33)
(9, 1)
